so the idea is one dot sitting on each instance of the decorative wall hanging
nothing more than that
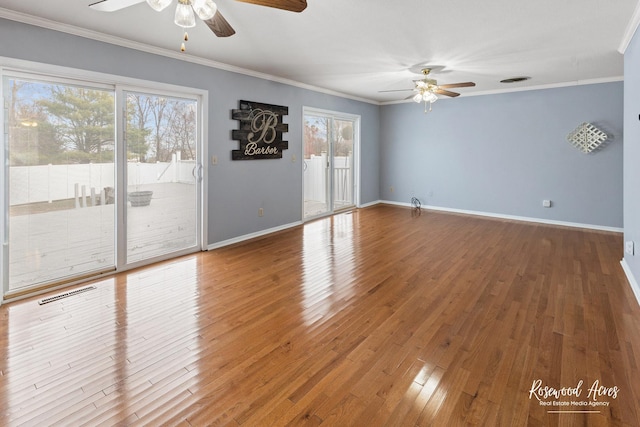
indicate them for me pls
(587, 138)
(260, 132)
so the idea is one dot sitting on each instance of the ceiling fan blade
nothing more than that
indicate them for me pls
(394, 90)
(452, 85)
(290, 5)
(446, 92)
(220, 26)
(112, 5)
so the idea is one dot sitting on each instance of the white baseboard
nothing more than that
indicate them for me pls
(632, 280)
(366, 205)
(252, 235)
(512, 217)
(268, 231)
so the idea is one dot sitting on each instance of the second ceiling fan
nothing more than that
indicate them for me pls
(206, 10)
(426, 89)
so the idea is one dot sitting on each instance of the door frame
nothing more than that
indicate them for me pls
(122, 178)
(334, 115)
(12, 66)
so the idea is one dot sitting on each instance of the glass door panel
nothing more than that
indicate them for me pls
(317, 185)
(343, 136)
(61, 223)
(329, 141)
(163, 175)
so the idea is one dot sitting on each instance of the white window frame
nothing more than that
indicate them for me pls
(52, 73)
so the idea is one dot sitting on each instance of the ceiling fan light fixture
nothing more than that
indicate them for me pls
(159, 5)
(425, 95)
(184, 17)
(429, 97)
(205, 9)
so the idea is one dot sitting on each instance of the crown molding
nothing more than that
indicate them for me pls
(632, 26)
(118, 41)
(527, 88)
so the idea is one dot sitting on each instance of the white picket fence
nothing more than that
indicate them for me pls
(316, 179)
(32, 184)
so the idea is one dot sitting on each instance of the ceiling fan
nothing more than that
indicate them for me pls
(426, 89)
(206, 10)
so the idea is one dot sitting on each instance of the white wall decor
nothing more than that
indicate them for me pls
(587, 137)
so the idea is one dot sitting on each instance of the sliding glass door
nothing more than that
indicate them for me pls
(163, 175)
(317, 167)
(92, 188)
(330, 141)
(59, 140)
(343, 136)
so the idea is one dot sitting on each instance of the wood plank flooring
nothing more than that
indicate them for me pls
(378, 317)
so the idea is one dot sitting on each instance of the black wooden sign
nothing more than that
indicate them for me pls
(260, 132)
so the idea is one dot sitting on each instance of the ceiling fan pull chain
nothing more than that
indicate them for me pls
(186, 39)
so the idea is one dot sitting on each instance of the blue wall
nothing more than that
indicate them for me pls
(503, 154)
(236, 188)
(632, 155)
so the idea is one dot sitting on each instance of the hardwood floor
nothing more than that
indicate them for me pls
(375, 318)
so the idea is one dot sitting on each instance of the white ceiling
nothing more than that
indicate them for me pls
(361, 47)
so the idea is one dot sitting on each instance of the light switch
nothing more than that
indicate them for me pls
(629, 247)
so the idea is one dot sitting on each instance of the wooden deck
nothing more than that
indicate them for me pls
(62, 243)
(371, 318)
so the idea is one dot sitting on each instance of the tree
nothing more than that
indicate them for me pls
(316, 131)
(84, 120)
(315, 136)
(138, 109)
(32, 138)
(343, 138)
(182, 130)
(158, 127)
(161, 116)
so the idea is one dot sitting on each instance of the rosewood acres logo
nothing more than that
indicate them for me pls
(260, 132)
(573, 399)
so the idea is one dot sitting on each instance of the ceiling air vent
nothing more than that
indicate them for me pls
(515, 79)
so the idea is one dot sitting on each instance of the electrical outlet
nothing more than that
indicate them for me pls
(546, 203)
(629, 247)
(293, 158)
(260, 212)
(391, 189)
